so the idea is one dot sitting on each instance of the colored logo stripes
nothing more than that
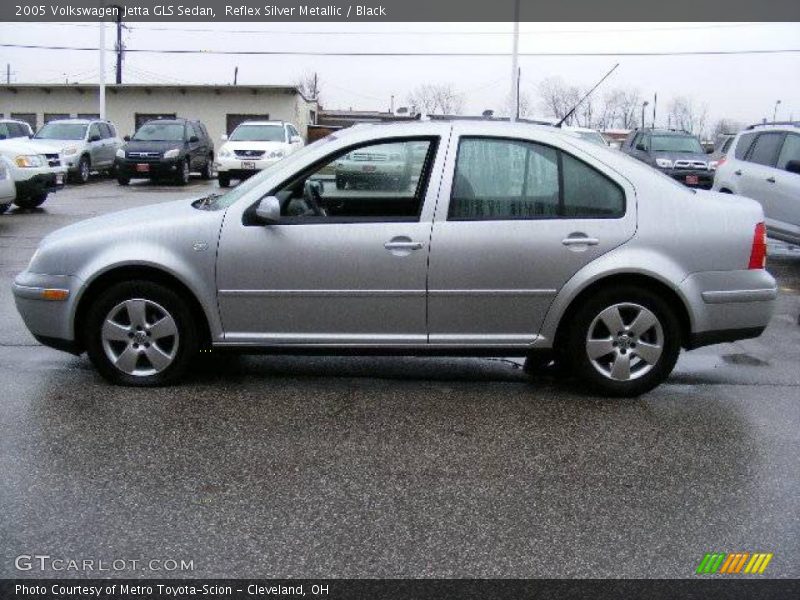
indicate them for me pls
(734, 562)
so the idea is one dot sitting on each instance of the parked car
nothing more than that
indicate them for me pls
(515, 239)
(387, 165)
(82, 145)
(765, 166)
(675, 153)
(585, 133)
(166, 149)
(12, 128)
(721, 147)
(8, 191)
(253, 146)
(35, 175)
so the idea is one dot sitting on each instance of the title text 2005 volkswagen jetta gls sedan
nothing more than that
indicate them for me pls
(507, 240)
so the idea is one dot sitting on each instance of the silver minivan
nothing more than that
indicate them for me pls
(508, 240)
(764, 164)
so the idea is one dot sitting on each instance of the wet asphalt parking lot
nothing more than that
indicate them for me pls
(391, 467)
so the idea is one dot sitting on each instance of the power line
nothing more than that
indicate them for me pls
(410, 54)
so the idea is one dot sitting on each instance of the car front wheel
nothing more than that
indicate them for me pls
(84, 169)
(31, 201)
(183, 172)
(140, 333)
(223, 179)
(624, 341)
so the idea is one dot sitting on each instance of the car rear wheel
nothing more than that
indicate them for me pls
(223, 179)
(624, 341)
(205, 172)
(140, 333)
(31, 201)
(123, 180)
(3, 208)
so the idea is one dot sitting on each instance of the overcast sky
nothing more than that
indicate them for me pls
(741, 87)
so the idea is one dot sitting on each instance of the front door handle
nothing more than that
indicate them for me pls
(403, 245)
(737, 172)
(580, 241)
(771, 179)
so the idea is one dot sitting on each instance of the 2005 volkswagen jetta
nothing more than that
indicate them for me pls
(506, 239)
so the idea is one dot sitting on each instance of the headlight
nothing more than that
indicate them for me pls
(664, 163)
(120, 153)
(69, 150)
(276, 154)
(30, 160)
(172, 153)
(224, 152)
(712, 166)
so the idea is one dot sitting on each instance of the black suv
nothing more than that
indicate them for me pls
(678, 154)
(166, 148)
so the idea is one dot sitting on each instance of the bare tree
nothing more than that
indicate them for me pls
(436, 98)
(557, 98)
(726, 126)
(687, 115)
(309, 86)
(525, 104)
(630, 107)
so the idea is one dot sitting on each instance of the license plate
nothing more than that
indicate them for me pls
(247, 164)
(692, 179)
(368, 168)
(59, 179)
(142, 168)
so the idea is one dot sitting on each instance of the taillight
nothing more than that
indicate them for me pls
(758, 253)
(721, 161)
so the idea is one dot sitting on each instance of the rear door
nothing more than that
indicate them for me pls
(786, 188)
(95, 147)
(759, 168)
(516, 219)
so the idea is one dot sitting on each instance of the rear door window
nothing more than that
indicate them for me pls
(766, 148)
(743, 145)
(790, 150)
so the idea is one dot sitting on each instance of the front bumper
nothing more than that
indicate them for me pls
(41, 183)
(692, 178)
(131, 168)
(48, 319)
(729, 305)
(238, 167)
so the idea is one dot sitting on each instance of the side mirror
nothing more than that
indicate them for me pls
(269, 210)
(223, 137)
(793, 166)
(295, 139)
(641, 147)
(94, 138)
(194, 139)
(127, 138)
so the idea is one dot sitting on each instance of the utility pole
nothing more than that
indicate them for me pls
(102, 68)
(655, 103)
(515, 66)
(391, 104)
(120, 48)
(644, 105)
(235, 74)
(775, 111)
(8, 73)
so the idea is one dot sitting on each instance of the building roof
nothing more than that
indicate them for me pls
(180, 87)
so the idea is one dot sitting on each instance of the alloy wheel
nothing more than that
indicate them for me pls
(625, 341)
(139, 337)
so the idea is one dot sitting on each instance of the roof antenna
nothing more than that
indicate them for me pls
(572, 110)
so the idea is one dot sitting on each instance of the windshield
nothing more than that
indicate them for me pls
(592, 136)
(62, 131)
(676, 143)
(160, 132)
(240, 190)
(258, 133)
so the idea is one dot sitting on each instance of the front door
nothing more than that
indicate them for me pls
(345, 265)
(523, 217)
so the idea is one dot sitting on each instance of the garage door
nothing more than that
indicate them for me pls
(232, 121)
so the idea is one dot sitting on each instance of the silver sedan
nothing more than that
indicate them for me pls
(509, 239)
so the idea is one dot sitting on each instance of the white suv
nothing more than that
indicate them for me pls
(35, 175)
(765, 165)
(253, 146)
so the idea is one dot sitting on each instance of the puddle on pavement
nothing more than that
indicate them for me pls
(744, 359)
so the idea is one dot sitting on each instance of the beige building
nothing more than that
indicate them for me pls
(220, 107)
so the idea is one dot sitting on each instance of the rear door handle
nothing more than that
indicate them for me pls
(771, 179)
(737, 172)
(580, 241)
(403, 245)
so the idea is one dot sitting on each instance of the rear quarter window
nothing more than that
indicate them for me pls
(743, 145)
(765, 149)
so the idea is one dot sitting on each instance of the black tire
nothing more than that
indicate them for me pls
(31, 201)
(341, 183)
(187, 339)
(207, 169)
(224, 179)
(182, 177)
(84, 170)
(631, 299)
(3, 208)
(123, 180)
